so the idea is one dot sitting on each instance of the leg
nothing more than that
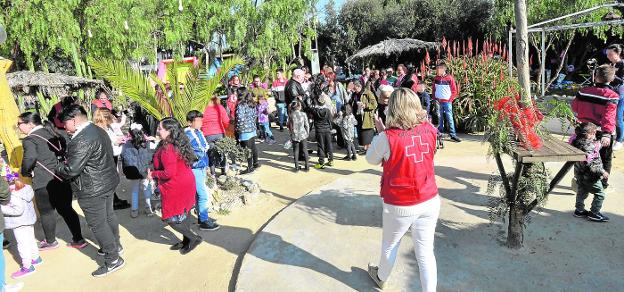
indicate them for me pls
(254, 151)
(147, 192)
(296, 148)
(111, 218)
(449, 117)
(61, 199)
(135, 194)
(96, 211)
(320, 137)
(202, 195)
(2, 268)
(184, 228)
(599, 195)
(329, 146)
(441, 115)
(620, 116)
(267, 130)
(581, 195)
(353, 150)
(606, 154)
(304, 149)
(394, 227)
(423, 234)
(46, 214)
(23, 244)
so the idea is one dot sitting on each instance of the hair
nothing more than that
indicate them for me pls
(35, 119)
(178, 139)
(192, 115)
(617, 48)
(100, 91)
(73, 111)
(404, 110)
(605, 73)
(138, 138)
(357, 83)
(585, 128)
(68, 101)
(348, 109)
(102, 117)
(441, 64)
(402, 66)
(256, 76)
(295, 105)
(280, 71)
(245, 97)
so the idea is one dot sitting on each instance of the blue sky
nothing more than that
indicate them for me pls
(320, 7)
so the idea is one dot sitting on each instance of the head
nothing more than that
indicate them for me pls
(298, 75)
(357, 86)
(367, 72)
(405, 110)
(614, 53)
(27, 121)
(138, 136)
(73, 117)
(376, 74)
(171, 133)
(245, 96)
(68, 100)
(101, 94)
(295, 105)
(235, 80)
(441, 69)
(401, 70)
(348, 110)
(586, 130)
(181, 87)
(256, 81)
(102, 117)
(280, 74)
(383, 74)
(194, 119)
(604, 74)
(390, 71)
(420, 88)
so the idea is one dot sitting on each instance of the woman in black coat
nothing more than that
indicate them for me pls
(43, 148)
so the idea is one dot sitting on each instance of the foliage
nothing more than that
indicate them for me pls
(560, 110)
(228, 147)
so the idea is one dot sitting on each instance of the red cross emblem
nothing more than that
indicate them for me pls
(414, 150)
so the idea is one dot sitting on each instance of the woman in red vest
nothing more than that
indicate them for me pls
(101, 101)
(408, 188)
(176, 182)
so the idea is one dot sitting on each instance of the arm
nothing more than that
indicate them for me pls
(370, 103)
(14, 208)
(379, 149)
(30, 157)
(77, 156)
(453, 88)
(169, 164)
(4, 191)
(607, 123)
(225, 119)
(433, 89)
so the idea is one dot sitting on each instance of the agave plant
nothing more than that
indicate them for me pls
(141, 88)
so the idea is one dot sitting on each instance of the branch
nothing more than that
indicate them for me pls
(565, 53)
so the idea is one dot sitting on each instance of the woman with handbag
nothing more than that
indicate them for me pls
(43, 148)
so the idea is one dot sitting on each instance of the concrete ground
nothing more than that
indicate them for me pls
(468, 258)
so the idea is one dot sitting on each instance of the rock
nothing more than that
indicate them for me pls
(222, 179)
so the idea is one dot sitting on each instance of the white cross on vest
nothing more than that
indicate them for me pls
(413, 150)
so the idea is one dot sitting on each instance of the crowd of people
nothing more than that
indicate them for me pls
(385, 117)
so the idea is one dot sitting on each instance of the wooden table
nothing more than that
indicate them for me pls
(552, 151)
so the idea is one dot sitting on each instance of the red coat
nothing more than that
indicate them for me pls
(597, 105)
(175, 181)
(408, 175)
(215, 120)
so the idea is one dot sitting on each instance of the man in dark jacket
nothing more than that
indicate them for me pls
(91, 170)
(293, 87)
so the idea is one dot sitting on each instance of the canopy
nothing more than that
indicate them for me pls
(27, 83)
(394, 46)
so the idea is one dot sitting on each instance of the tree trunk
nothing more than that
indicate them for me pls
(515, 230)
(522, 50)
(565, 54)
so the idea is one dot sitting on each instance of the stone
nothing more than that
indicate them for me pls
(222, 179)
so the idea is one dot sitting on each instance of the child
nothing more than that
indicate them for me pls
(19, 215)
(136, 158)
(299, 132)
(263, 119)
(444, 90)
(589, 173)
(323, 126)
(347, 125)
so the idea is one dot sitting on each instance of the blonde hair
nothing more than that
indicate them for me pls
(102, 117)
(404, 110)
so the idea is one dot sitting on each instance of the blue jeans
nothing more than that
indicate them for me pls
(266, 128)
(146, 187)
(619, 120)
(282, 113)
(446, 110)
(202, 194)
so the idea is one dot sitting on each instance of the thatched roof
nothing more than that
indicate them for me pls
(50, 84)
(394, 46)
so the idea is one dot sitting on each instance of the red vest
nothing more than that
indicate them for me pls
(58, 108)
(102, 103)
(408, 175)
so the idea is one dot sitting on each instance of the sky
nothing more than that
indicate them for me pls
(320, 7)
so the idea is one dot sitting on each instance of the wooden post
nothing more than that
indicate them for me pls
(522, 49)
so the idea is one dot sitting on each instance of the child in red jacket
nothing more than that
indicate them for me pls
(444, 90)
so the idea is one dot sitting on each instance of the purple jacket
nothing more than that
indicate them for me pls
(263, 111)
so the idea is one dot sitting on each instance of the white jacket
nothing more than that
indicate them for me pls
(20, 211)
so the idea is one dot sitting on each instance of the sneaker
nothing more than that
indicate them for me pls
(319, 166)
(347, 158)
(618, 146)
(354, 157)
(191, 246)
(455, 139)
(134, 213)
(107, 269)
(330, 163)
(6, 244)
(13, 287)
(37, 262)
(23, 272)
(120, 251)
(597, 217)
(208, 226)
(372, 272)
(257, 165)
(272, 141)
(580, 213)
(148, 211)
(177, 246)
(80, 244)
(44, 245)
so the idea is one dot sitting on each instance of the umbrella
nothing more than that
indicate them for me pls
(394, 46)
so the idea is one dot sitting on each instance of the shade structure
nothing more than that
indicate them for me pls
(27, 83)
(394, 46)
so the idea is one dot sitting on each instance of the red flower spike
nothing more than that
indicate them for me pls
(470, 46)
(427, 58)
(444, 42)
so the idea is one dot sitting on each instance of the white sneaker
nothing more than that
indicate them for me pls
(13, 287)
(617, 146)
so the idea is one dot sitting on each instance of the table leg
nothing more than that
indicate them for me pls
(559, 176)
(503, 174)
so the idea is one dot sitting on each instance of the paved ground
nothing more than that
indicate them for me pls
(214, 266)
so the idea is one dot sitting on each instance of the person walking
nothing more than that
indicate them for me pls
(93, 174)
(172, 170)
(136, 159)
(405, 148)
(246, 118)
(5, 196)
(43, 148)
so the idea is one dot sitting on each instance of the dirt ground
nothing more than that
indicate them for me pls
(213, 266)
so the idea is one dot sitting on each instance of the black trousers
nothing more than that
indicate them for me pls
(57, 196)
(324, 142)
(351, 151)
(300, 148)
(252, 160)
(184, 228)
(115, 197)
(102, 221)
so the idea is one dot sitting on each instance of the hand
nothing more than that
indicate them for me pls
(149, 174)
(605, 141)
(605, 175)
(150, 138)
(379, 124)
